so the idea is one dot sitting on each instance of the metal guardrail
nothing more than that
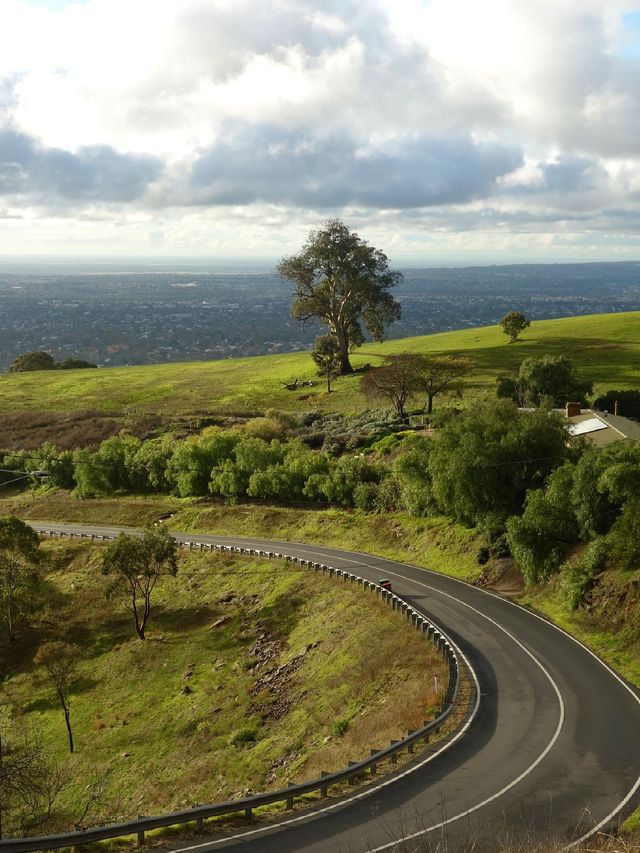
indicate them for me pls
(198, 814)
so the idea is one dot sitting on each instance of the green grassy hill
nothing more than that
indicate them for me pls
(605, 347)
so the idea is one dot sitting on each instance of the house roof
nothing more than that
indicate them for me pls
(602, 428)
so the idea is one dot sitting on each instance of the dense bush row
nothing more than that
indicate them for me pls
(513, 474)
(477, 468)
(590, 507)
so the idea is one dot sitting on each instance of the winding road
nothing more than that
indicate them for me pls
(553, 750)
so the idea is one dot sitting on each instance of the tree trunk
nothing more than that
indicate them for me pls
(429, 403)
(328, 383)
(343, 344)
(10, 632)
(139, 624)
(67, 719)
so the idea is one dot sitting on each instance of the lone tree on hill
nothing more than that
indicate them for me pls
(19, 577)
(342, 281)
(326, 354)
(60, 661)
(136, 564)
(513, 323)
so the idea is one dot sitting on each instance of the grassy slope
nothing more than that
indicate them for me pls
(604, 346)
(434, 543)
(166, 749)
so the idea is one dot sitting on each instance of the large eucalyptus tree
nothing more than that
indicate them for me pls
(344, 282)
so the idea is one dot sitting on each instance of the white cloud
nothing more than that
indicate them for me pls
(450, 115)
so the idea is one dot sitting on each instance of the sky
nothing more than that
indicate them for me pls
(443, 131)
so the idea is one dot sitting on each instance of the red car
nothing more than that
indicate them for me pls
(385, 583)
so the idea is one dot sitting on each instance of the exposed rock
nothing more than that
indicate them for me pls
(221, 621)
(186, 690)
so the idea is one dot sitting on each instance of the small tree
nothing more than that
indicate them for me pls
(439, 374)
(326, 354)
(24, 775)
(342, 281)
(396, 380)
(19, 577)
(60, 661)
(136, 564)
(513, 323)
(29, 361)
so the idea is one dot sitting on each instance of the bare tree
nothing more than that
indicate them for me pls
(28, 780)
(136, 564)
(437, 374)
(60, 661)
(396, 380)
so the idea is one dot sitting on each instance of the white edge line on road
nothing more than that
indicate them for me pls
(532, 613)
(636, 786)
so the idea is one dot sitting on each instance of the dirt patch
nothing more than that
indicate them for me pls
(503, 576)
(68, 430)
(614, 602)
(275, 681)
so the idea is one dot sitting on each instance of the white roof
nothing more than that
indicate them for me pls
(585, 427)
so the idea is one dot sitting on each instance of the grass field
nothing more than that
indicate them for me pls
(605, 347)
(253, 674)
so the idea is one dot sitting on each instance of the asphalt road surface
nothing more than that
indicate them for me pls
(553, 750)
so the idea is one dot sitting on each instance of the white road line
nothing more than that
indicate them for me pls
(594, 830)
(508, 601)
(465, 813)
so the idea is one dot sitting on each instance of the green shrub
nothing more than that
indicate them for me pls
(340, 727)
(577, 574)
(242, 737)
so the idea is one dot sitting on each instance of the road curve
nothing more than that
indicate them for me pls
(554, 750)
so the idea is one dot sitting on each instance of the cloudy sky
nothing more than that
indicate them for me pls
(443, 130)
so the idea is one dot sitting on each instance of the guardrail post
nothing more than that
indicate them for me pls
(394, 757)
(324, 791)
(374, 767)
(140, 840)
(199, 820)
(352, 779)
(410, 745)
(290, 799)
(248, 812)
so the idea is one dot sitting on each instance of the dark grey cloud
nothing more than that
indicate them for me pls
(572, 174)
(266, 164)
(96, 173)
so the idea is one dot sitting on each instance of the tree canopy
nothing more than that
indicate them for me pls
(136, 564)
(549, 376)
(39, 360)
(438, 374)
(19, 577)
(513, 323)
(396, 380)
(326, 354)
(29, 361)
(343, 282)
(483, 462)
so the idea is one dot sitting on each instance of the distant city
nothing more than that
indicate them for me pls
(120, 318)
